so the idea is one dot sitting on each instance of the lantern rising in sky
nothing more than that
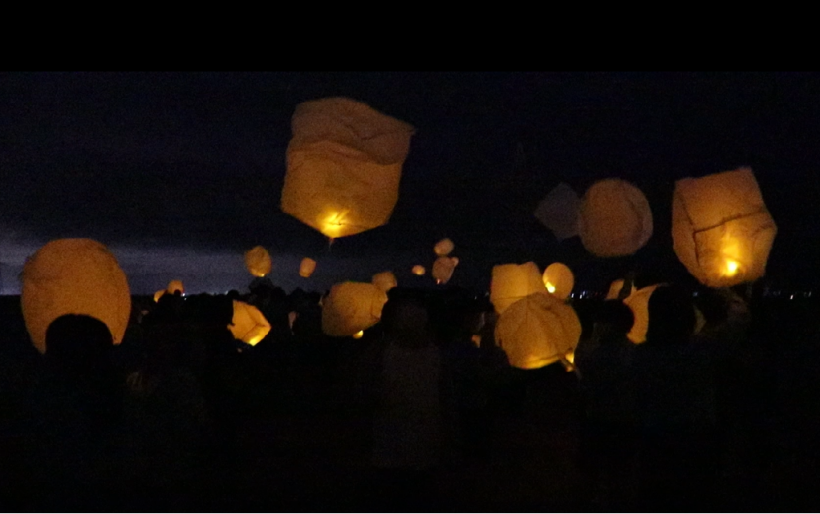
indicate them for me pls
(74, 276)
(258, 262)
(444, 247)
(615, 219)
(559, 280)
(384, 281)
(352, 307)
(558, 211)
(307, 267)
(721, 229)
(443, 269)
(344, 165)
(418, 269)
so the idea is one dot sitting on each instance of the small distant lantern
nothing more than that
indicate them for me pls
(307, 267)
(258, 262)
(559, 280)
(419, 270)
(443, 247)
(443, 269)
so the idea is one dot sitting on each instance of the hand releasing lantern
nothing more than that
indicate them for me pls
(74, 276)
(343, 166)
(721, 229)
(559, 280)
(615, 219)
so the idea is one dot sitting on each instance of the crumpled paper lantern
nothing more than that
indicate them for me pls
(537, 330)
(307, 267)
(721, 229)
(248, 323)
(639, 303)
(512, 282)
(74, 276)
(344, 165)
(615, 289)
(385, 281)
(258, 262)
(352, 307)
(559, 280)
(418, 269)
(444, 247)
(443, 269)
(558, 211)
(614, 219)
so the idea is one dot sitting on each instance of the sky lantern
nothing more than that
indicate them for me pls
(444, 247)
(175, 286)
(248, 323)
(384, 281)
(537, 330)
(639, 303)
(418, 269)
(307, 267)
(615, 289)
(614, 219)
(721, 229)
(158, 295)
(352, 307)
(257, 261)
(344, 165)
(443, 269)
(559, 280)
(74, 276)
(558, 211)
(512, 282)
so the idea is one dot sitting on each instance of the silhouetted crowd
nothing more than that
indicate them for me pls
(422, 413)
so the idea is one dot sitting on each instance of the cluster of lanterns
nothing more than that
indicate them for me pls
(344, 164)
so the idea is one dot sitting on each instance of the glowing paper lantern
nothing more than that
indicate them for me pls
(721, 229)
(159, 294)
(615, 289)
(248, 323)
(307, 267)
(175, 286)
(384, 281)
(74, 276)
(419, 270)
(512, 282)
(537, 330)
(352, 307)
(615, 219)
(443, 247)
(558, 211)
(639, 303)
(559, 280)
(343, 166)
(443, 269)
(258, 262)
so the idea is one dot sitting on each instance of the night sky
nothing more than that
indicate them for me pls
(180, 173)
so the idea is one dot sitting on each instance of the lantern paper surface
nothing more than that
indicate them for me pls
(558, 211)
(258, 262)
(352, 307)
(307, 267)
(74, 276)
(721, 229)
(559, 280)
(385, 281)
(615, 289)
(344, 164)
(537, 330)
(615, 219)
(159, 294)
(443, 269)
(248, 323)
(418, 270)
(444, 247)
(512, 282)
(175, 286)
(639, 303)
